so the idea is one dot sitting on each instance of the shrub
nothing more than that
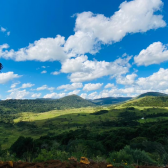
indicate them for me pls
(131, 156)
(45, 155)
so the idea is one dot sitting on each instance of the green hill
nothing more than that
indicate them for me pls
(149, 101)
(42, 105)
(152, 94)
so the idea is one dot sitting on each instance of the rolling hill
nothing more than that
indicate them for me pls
(43, 105)
(110, 100)
(149, 101)
(152, 94)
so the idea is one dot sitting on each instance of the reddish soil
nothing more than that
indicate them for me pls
(54, 164)
(59, 164)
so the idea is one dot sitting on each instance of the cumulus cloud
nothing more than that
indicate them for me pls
(83, 95)
(6, 77)
(45, 87)
(92, 86)
(72, 86)
(36, 95)
(153, 54)
(18, 94)
(45, 49)
(91, 30)
(3, 29)
(8, 33)
(127, 80)
(74, 92)
(43, 72)
(27, 85)
(14, 85)
(54, 95)
(157, 81)
(55, 73)
(109, 85)
(93, 95)
(83, 69)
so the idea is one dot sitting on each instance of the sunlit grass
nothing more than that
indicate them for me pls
(29, 116)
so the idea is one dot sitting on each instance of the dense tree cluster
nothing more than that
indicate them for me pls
(42, 105)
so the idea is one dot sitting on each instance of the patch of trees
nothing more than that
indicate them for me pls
(43, 105)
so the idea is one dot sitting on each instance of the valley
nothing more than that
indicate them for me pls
(121, 127)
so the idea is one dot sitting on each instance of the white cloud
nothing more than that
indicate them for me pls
(74, 92)
(45, 49)
(55, 73)
(18, 94)
(83, 95)
(36, 95)
(54, 95)
(14, 85)
(127, 80)
(92, 86)
(6, 77)
(3, 29)
(153, 54)
(93, 95)
(86, 70)
(109, 85)
(27, 85)
(92, 30)
(45, 87)
(8, 33)
(43, 72)
(43, 66)
(157, 81)
(72, 86)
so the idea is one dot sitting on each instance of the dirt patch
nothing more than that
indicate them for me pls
(54, 164)
(59, 164)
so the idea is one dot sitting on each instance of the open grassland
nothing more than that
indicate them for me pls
(30, 116)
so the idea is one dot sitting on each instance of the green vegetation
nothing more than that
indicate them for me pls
(43, 105)
(127, 133)
(152, 94)
(148, 101)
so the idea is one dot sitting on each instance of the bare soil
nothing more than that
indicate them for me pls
(59, 164)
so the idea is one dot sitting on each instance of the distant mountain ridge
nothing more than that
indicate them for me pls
(110, 100)
(75, 101)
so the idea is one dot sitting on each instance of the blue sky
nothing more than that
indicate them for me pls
(91, 48)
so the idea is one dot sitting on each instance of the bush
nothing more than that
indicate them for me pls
(129, 156)
(45, 155)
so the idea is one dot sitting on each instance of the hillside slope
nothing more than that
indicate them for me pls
(149, 101)
(152, 94)
(42, 105)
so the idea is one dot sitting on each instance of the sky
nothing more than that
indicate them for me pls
(95, 49)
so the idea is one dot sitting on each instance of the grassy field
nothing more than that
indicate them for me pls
(58, 121)
(30, 116)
